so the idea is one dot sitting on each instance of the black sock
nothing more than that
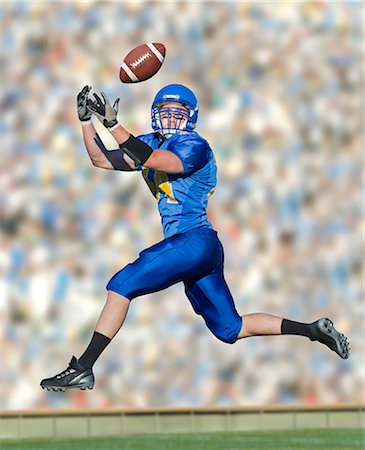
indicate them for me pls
(291, 327)
(94, 349)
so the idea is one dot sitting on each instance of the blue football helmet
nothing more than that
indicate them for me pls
(168, 121)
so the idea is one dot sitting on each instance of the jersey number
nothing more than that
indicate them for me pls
(161, 184)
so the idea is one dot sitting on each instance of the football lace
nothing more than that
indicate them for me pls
(140, 60)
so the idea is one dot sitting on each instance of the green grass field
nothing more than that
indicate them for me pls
(326, 439)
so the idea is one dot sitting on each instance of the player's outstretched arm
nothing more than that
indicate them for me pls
(88, 130)
(99, 155)
(137, 150)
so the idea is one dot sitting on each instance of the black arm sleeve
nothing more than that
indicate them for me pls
(114, 156)
(136, 149)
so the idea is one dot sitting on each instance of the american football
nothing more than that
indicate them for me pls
(142, 63)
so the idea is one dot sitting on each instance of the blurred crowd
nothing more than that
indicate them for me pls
(279, 87)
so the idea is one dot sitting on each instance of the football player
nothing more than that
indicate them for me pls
(179, 168)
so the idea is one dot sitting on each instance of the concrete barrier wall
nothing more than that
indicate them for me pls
(117, 422)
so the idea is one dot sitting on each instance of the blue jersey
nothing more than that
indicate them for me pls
(183, 197)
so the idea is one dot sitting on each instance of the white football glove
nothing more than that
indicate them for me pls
(82, 111)
(104, 111)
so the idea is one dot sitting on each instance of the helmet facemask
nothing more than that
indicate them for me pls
(170, 118)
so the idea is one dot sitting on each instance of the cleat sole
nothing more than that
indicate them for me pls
(65, 388)
(327, 334)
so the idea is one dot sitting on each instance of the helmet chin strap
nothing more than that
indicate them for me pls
(167, 132)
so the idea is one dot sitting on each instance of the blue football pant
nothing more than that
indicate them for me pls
(196, 258)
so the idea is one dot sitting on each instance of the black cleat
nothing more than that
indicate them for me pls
(75, 376)
(323, 331)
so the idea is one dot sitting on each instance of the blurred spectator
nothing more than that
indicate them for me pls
(279, 89)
